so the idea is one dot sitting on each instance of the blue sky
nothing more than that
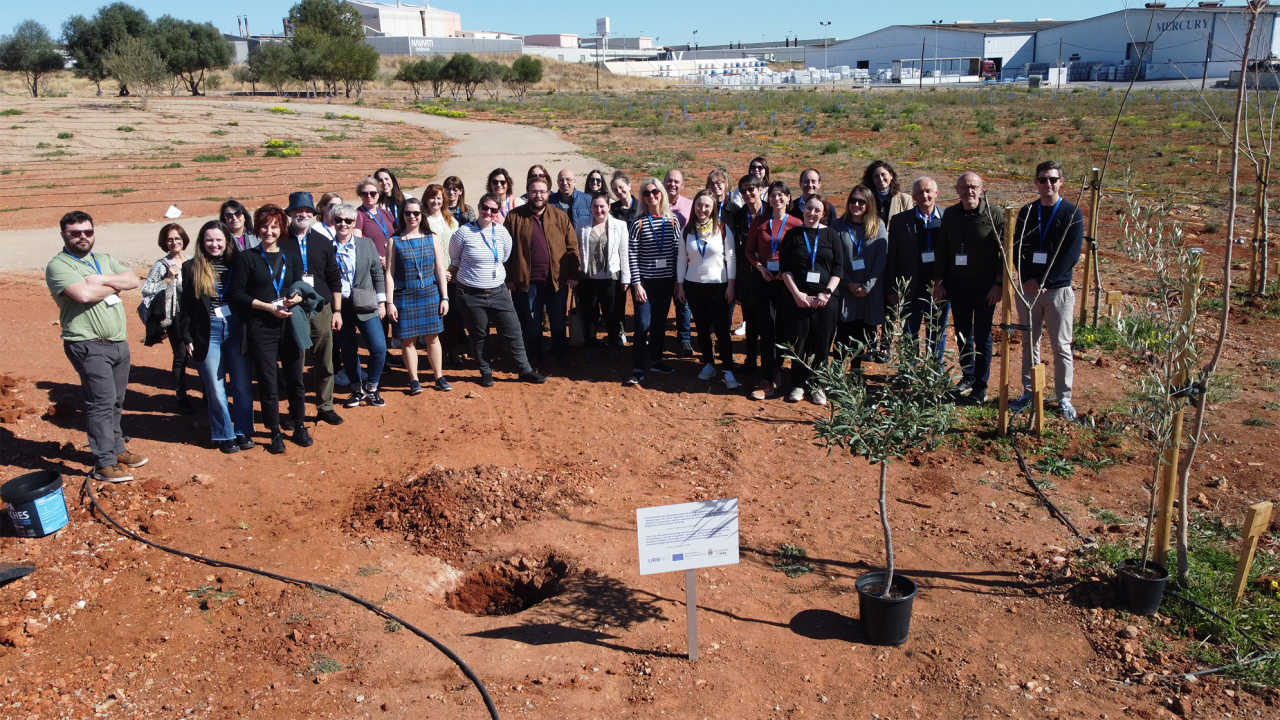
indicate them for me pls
(671, 20)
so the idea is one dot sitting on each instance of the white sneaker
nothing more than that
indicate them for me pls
(1020, 402)
(1068, 410)
(708, 372)
(796, 395)
(817, 397)
(741, 330)
(730, 381)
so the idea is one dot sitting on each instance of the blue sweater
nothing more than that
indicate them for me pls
(578, 208)
(1063, 237)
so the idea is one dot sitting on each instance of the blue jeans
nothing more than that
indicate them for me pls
(684, 321)
(971, 316)
(650, 332)
(917, 312)
(542, 297)
(224, 359)
(373, 335)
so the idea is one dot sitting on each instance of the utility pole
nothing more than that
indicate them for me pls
(1208, 52)
(825, 44)
(923, 41)
(1059, 63)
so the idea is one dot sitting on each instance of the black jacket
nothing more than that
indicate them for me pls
(795, 210)
(193, 315)
(978, 234)
(251, 280)
(322, 262)
(907, 245)
(626, 215)
(740, 221)
(1065, 235)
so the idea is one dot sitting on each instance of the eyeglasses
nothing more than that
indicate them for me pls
(1048, 180)
(653, 192)
(496, 181)
(368, 193)
(173, 238)
(231, 214)
(333, 205)
(412, 213)
(757, 166)
(344, 221)
(489, 209)
(538, 175)
(857, 201)
(79, 233)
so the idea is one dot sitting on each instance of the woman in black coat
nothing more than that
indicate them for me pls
(811, 260)
(260, 295)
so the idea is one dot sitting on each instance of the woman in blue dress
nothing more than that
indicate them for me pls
(416, 272)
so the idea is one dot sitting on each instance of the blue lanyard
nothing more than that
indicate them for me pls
(348, 273)
(861, 240)
(700, 243)
(928, 231)
(278, 283)
(774, 239)
(302, 245)
(813, 250)
(494, 247)
(662, 244)
(222, 291)
(376, 216)
(96, 267)
(1044, 227)
(457, 213)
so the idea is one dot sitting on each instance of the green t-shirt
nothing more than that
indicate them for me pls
(80, 322)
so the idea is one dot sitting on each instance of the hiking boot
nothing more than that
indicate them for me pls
(129, 459)
(302, 437)
(277, 442)
(112, 474)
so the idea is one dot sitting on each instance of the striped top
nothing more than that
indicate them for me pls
(472, 251)
(654, 247)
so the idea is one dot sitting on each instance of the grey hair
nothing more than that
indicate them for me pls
(916, 185)
(345, 210)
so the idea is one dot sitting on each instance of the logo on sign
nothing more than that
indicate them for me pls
(677, 556)
(654, 560)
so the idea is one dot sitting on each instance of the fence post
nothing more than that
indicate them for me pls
(1090, 251)
(1256, 519)
(1006, 317)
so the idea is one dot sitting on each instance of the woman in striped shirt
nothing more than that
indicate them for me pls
(705, 272)
(655, 240)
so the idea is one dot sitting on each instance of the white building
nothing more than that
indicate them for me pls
(401, 20)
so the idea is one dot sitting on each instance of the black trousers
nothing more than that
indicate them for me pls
(271, 351)
(859, 336)
(481, 307)
(711, 314)
(615, 321)
(810, 331)
(769, 300)
(596, 298)
(180, 358)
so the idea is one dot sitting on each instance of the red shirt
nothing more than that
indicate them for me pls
(539, 254)
(760, 241)
(378, 226)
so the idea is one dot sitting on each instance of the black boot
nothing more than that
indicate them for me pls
(277, 442)
(302, 437)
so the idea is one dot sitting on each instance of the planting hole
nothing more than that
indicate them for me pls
(510, 586)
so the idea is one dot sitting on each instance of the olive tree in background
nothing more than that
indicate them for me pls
(463, 72)
(134, 64)
(191, 49)
(31, 52)
(525, 72)
(88, 40)
(271, 63)
(352, 61)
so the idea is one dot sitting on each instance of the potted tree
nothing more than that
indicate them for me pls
(908, 409)
(1161, 335)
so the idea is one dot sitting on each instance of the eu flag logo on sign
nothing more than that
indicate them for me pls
(677, 556)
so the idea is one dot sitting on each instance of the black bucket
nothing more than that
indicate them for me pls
(1141, 595)
(886, 621)
(36, 505)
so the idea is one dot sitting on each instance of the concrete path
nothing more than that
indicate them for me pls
(482, 146)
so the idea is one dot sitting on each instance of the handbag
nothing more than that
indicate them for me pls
(364, 301)
(576, 334)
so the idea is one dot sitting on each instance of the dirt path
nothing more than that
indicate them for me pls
(481, 147)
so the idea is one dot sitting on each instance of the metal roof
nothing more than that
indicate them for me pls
(996, 27)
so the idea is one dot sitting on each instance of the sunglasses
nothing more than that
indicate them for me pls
(489, 209)
(344, 221)
(495, 181)
(857, 201)
(653, 192)
(79, 233)
(369, 193)
(1047, 180)
(232, 214)
(538, 175)
(756, 167)
(412, 213)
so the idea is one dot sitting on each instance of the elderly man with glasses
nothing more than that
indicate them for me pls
(1047, 242)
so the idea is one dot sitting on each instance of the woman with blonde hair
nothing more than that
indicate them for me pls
(652, 253)
(865, 239)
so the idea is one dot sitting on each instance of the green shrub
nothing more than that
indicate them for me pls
(12, 111)
(210, 158)
(280, 110)
(65, 135)
(986, 126)
(125, 128)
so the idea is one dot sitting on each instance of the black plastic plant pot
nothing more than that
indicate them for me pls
(1142, 592)
(886, 621)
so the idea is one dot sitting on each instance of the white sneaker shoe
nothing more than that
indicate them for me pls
(817, 397)
(796, 395)
(708, 372)
(730, 381)
(1068, 410)
(741, 330)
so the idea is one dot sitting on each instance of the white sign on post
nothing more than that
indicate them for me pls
(602, 26)
(686, 537)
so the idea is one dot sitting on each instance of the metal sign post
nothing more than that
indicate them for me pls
(687, 537)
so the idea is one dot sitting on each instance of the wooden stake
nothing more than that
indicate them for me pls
(1114, 299)
(1037, 396)
(1169, 467)
(1090, 254)
(1006, 315)
(1217, 168)
(1256, 519)
(1259, 212)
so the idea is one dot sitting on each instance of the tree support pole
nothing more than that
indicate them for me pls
(1091, 250)
(1006, 313)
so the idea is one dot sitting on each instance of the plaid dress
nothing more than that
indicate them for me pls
(417, 296)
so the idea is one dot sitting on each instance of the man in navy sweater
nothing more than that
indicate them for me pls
(575, 203)
(1047, 241)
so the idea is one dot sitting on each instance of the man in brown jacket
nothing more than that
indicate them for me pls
(543, 265)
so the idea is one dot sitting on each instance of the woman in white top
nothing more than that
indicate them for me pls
(160, 296)
(602, 246)
(705, 275)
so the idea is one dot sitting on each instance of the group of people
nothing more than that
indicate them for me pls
(265, 293)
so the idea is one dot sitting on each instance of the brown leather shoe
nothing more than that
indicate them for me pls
(112, 474)
(132, 460)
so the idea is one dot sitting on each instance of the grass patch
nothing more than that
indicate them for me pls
(831, 147)
(1085, 337)
(15, 209)
(438, 110)
(233, 123)
(280, 110)
(369, 571)
(281, 148)
(392, 626)
(170, 166)
(218, 132)
(1258, 422)
(210, 158)
(206, 178)
(322, 664)
(65, 135)
(98, 177)
(125, 128)
(117, 191)
(12, 111)
(791, 561)
(1055, 466)
(1106, 516)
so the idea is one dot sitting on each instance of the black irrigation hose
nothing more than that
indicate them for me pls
(1053, 509)
(475, 680)
(1230, 624)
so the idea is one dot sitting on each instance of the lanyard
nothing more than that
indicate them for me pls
(376, 216)
(457, 213)
(222, 292)
(862, 239)
(813, 250)
(328, 231)
(775, 238)
(662, 244)
(347, 273)
(278, 283)
(494, 247)
(701, 244)
(928, 231)
(96, 267)
(302, 245)
(1044, 227)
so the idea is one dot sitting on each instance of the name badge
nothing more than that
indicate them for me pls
(858, 264)
(309, 279)
(112, 299)
(772, 265)
(962, 260)
(927, 256)
(813, 277)
(1040, 258)
(660, 263)
(222, 311)
(346, 288)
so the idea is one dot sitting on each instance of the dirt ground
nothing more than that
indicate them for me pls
(451, 509)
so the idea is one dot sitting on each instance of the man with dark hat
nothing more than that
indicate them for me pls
(315, 253)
